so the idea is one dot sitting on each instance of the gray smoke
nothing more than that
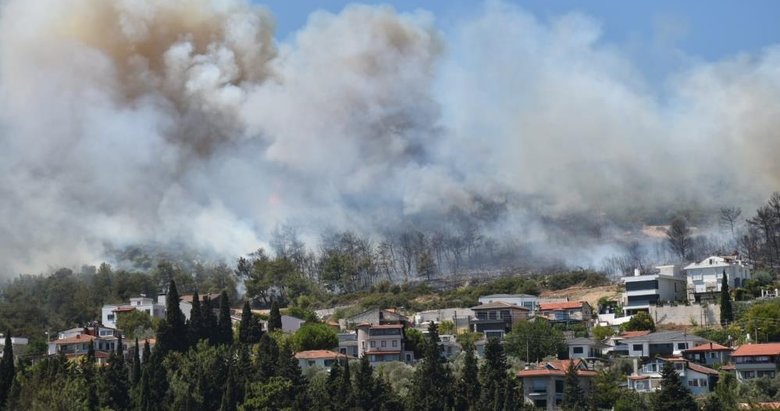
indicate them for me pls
(131, 121)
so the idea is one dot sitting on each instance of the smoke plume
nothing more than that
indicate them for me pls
(136, 121)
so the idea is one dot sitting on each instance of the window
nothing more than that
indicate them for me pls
(505, 314)
(682, 346)
(492, 315)
(693, 383)
(577, 350)
(384, 344)
(704, 383)
(395, 343)
(558, 386)
(343, 351)
(372, 344)
(481, 315)
(678, 366)
(147, 311)
(110, 317)
(637, 347)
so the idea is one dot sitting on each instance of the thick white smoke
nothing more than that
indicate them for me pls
(133, 121)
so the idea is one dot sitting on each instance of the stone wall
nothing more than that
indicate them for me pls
(706, 314)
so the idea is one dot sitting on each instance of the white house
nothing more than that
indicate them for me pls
(698, 378)
(585, 348)
(111, 312)
(460, 317)
(664, 343)
(523, 300)
(665, 283)
(704, 278)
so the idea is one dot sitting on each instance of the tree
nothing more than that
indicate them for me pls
(135, 374)
(314, 337)
(249, 329)
(196, 328)
(134, 323)
(493, 375)
(534, 340)
(115, 384)
(600, 332)
(573, 396)
(89, 373)
(726, 311)
(467, 386)
(725, 396)
(425, 265)
(154, 384)
(678, 237)
(729, 217)
(172, 332)
(209, 321)
(432, 380)
(274, 318)
(640, 321)
(606, 388)
(364, 390)
(673, 396)
(7, 370)
(225, 325)
(267, 357)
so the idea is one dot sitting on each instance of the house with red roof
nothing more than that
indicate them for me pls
(568, 311)
(544, 383)
(756, 360)
(710, 354)
(319, 358)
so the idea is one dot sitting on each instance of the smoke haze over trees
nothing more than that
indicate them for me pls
(135, 123)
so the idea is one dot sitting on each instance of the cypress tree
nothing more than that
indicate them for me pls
(274, 318)
(195, 329)
(115, 393)
(573, 396)
(364, 390)
(90, 378)
(287, 367)
(468, 386)
(432, 380)
(154, 384)
(267, 357)
(209, 321)
(249, 329)
(7, 369)
(172, 332)
(673, 396)
(726, 310)
(225, 325)
(229, 397)
(493, 373)
(135, 375)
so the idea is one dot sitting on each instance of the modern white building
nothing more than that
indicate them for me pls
(523, 300)
(110, 312)
(704, 278)
(665, 283)
(697, 378)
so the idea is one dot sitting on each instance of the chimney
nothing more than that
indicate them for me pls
(636, 272)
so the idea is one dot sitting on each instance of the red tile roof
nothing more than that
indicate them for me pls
(708, 347)
(123, 309)
(567, 305)
(757, 349)
(318, 355)
(701, 369)
(555, 367)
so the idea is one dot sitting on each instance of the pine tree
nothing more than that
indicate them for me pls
(573, 396)
(274, 318)
(229, 396)
(154, 384)
(726, 310)
(249, 329)
(339, 386)
(225, 325)
(493, 373)
(673, 396)
(432, 380)
(195, 328)
(172, 332)
(135, 374)
(287, 367)
(7, 369)
(468, 384)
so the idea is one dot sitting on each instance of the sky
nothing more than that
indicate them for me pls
(708, 30)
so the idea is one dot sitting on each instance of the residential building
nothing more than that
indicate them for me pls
(664, 284)
(495, 319)
(543, 385)
(566, 312)
(585, 348)
(348, 344)
(449, 346)
(319, 358)
(75, 344)
(19, 345)
(711, 354)
(617, 347)
(111, 312)
(698, 378)
(377, 316)
(704, 278)
(521, 300)
(664, 343)
(756, 361)
(382, 343)
(460, 317)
